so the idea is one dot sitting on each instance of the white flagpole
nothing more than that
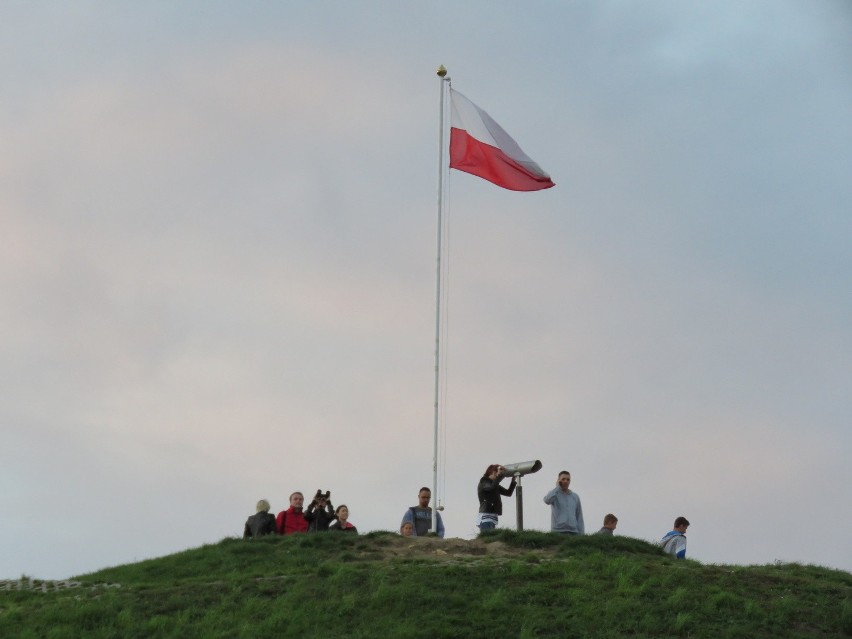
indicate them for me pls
(442, 72)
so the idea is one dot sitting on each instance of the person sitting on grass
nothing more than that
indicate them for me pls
(261, 523)
(609, 524)
(341, 522)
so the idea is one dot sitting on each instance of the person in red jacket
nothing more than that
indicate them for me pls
(293, 519)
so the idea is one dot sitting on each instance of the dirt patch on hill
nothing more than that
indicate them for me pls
(450, 549)
(47, 585)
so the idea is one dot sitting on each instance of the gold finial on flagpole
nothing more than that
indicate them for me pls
(442, 71)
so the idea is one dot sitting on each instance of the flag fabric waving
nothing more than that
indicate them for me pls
(480, 146)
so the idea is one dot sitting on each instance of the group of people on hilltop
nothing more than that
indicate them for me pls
(319, 516)
(566, 513)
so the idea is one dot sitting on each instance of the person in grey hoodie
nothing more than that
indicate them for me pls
(566, 512)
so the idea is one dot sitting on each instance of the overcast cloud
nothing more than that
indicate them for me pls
(217, 254)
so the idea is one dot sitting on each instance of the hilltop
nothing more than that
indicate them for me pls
(503, 584)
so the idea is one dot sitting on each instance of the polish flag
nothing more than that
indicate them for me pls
(480, 146)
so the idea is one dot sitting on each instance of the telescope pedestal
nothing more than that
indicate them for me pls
(517, 471)
(519, 502)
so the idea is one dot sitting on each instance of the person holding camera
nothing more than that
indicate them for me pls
(320, 512)
(489, 490)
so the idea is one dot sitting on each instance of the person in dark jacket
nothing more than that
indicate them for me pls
(261, 523)
(489, 491)
(320, 513)
(341, 522)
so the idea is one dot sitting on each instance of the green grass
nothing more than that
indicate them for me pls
(380, 585)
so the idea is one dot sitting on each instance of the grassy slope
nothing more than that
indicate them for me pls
(380, 585)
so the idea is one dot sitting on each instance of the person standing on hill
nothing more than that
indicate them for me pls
(261, 523)
(566, 512)
(488, 490)
(293, 519)
(341, 522)
(421, 516)
(609, 524)
(320, 512)
(674, 541)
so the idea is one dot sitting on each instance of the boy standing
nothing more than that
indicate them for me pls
(674, 542)
(609, 524)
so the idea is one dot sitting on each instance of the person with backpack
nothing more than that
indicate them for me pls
(674, 541)
(293, 519)
(421, 515)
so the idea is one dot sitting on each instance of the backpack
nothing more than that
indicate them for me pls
(667, 545)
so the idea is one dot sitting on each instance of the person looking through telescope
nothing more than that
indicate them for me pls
(488, 491)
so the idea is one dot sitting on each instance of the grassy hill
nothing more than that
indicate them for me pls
(503, 584)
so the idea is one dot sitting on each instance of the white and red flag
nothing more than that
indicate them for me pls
(480, 146)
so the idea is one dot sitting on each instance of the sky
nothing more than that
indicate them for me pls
(218, 270)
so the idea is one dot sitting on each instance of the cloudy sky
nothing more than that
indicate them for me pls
(217, 270)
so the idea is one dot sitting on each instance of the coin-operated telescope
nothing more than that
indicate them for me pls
(517, 471)
(522, 468)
